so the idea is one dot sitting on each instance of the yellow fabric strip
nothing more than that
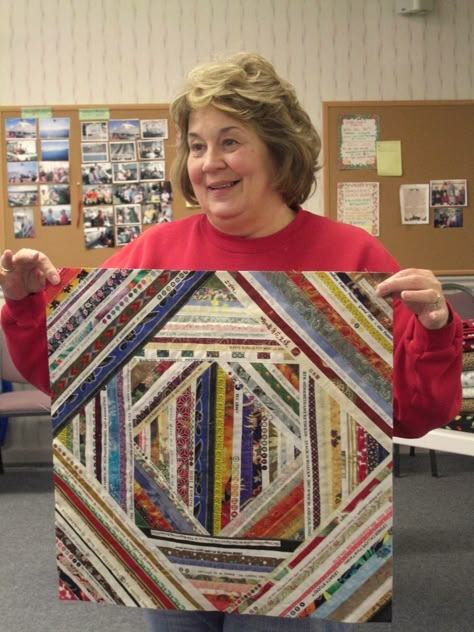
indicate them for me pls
(219, 450)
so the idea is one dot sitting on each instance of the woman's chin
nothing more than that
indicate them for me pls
(222, 214)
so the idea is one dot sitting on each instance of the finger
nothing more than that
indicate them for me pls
(48, 270)
(406, 272)
(38, 261)
(26, 257)
(430, 297)
(6, 264)
(407, 280)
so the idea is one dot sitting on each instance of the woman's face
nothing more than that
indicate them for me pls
(232, 174)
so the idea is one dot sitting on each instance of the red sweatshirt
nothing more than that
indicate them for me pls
(427, 364)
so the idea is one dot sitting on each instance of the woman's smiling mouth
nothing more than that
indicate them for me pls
(223, 185)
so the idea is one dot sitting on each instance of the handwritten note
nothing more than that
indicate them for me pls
(357, 138)
(358, 205)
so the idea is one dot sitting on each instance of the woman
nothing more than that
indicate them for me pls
(248, 155)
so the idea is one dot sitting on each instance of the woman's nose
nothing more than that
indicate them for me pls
(213, 159)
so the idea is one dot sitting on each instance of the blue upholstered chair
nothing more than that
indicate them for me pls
(29, 402)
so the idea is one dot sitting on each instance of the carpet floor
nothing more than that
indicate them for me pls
(434, 555)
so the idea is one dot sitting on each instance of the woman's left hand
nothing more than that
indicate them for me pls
(421, 293)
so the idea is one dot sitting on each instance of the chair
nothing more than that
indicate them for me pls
(29, 402)
(461, 298)
(396, 456)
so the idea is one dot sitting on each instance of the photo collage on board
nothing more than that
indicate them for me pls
(448, 199)
(38, 173)
(123, 179)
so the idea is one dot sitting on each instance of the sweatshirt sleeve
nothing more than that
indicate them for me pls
(24, 324)
(427, 388)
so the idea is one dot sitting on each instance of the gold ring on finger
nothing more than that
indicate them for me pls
(436, 303)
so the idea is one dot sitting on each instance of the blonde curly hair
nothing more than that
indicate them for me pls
(246, 86)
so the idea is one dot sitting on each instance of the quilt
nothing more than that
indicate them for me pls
(222, 440)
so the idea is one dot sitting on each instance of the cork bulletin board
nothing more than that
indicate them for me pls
(437, 144)
(77, 182)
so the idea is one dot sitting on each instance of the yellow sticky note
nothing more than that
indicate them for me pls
(389, 157)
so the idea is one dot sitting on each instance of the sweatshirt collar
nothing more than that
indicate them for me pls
(229, 243)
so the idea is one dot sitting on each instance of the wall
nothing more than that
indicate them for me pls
(127, 51)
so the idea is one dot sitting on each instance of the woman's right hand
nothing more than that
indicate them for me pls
(25, 272)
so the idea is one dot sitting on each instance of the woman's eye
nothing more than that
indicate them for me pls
(197, 148)
(229, 142)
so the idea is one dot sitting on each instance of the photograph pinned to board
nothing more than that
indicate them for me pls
(125, 172)
(97, 173)
(122, 152)
(99, 227)
(449, 192)
(103, 237)
(152, 214)
(56, 215)
(94, 130)
(152, 170)
(23, 195)
(127, 233)
(97, 194)
(99, 216)
(358, 135)
(415, 203)
(154, 128)
(53, 172)
(54, 127)
(128, 214)
(358, 205)
(20, 128)
(151, 149)
(95, 152)
(22, 150)
(448, 217)
(124, 129)
(55, 149)
(55, 194)
(22, 172)
(24, 223)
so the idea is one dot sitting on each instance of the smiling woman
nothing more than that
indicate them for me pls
(247, 88)
(232, 174)
(248, 154)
